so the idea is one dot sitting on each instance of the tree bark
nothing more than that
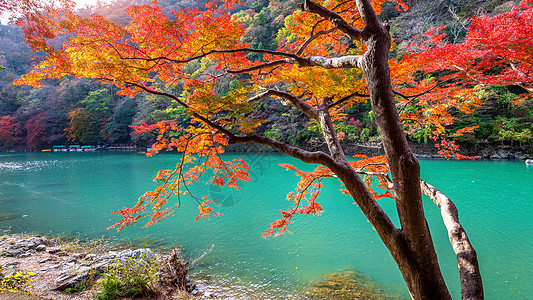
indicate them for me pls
(418, 264)
(471, 283)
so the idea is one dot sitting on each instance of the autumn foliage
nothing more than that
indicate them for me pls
(332, 55)
(497, 51)
(152, 43)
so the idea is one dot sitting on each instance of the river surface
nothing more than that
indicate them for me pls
(74, 193)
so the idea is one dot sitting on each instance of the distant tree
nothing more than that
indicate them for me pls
(87, 123)
(36, 128)
(10, 131)
(497, 51)
(82, 128)
(119, 130)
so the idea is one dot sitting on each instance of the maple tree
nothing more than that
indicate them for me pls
(36, 129)
(10, 130)
(331, 55)
(497, 51)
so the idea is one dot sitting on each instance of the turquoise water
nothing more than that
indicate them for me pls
(74, 194)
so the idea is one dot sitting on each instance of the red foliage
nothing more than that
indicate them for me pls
(310, 184)
(10, 130)
(498, 50)
(36, 128)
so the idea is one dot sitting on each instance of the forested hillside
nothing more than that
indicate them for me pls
(78, 111)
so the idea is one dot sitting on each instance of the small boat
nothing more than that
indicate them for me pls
(46, 150)
(529, 161)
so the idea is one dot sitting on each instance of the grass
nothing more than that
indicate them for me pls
(131, 278)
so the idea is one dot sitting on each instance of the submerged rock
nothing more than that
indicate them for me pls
(346, 284)
(7, 217)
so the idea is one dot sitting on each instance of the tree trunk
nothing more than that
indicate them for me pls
(414, 252)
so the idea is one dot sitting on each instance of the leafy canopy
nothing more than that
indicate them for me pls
(152, 53)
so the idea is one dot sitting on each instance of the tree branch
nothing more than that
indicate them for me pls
(312, 38)
(194, 114)
(335, 18)
(344, 99)
(297, 102)
(329, 134)
(471, 284)
(368, 14)
(344, 62)
(407, 97)
(317, 157)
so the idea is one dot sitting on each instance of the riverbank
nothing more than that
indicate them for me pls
(483, 150)
(53, 268)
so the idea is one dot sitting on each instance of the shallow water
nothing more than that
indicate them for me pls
(74, 194)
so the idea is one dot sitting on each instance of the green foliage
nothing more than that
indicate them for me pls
(119, 130)
(511, 130)
(128, 278)
(78, 288)
(98, 103)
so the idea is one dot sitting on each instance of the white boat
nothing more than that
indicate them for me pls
(529, 161)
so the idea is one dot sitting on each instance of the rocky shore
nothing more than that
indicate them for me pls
(63, 270)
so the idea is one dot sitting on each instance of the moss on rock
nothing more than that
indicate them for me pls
(347, 284)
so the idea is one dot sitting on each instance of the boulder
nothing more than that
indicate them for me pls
(54, 250)
(66, 281)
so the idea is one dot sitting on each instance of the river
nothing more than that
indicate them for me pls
(74, 193)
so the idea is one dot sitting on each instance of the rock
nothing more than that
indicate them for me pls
(40, 248)
(100, 267)
(49, 269)
(71, 260)
(54, 250)
(25, 254)
(79, 255)
(9, 270)
(46, 260)
(7, 217)
(61, 253)
(11, 264)
(66, 281)
(146, 254)
(4, 295)
(90, 256)
(12, 253)
(36, 241)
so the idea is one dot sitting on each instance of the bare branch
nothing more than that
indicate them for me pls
(205, 54)
(344, 99)
(317, 157)
(411, 98)
(407, 97)
(312, 38)
(471, 284)
(262, 66)
(344, 62)
(335, 18)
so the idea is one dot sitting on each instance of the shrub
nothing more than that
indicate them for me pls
(131, 277)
